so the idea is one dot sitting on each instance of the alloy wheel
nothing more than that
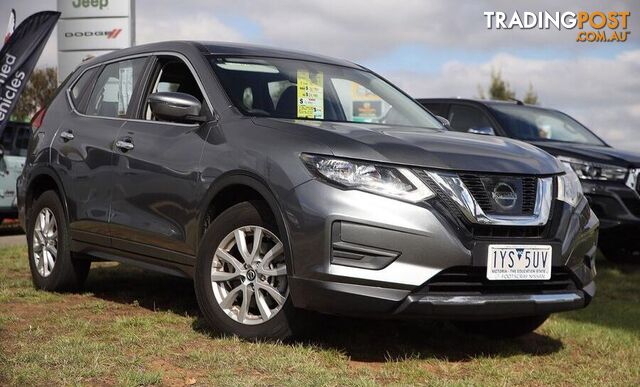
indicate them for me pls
(45, 242)
(249, 275)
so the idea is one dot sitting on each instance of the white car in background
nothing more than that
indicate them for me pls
(14, 142)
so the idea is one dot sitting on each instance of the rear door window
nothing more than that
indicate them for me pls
(438, 109)
(112, 93)
(463, 118)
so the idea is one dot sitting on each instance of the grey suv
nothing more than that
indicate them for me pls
(282, 181)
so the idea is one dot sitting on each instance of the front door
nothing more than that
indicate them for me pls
(157, 164)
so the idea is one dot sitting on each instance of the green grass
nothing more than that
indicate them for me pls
(132, 327)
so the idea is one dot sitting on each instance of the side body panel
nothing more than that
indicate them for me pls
(155, 194)
(85, 166)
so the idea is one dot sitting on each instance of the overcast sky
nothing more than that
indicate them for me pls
(429, 48)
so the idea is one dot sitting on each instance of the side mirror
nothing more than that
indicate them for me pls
(174, 106)
(485, 130)
(444, 121)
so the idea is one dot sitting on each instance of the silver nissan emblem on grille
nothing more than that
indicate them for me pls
(504, 196)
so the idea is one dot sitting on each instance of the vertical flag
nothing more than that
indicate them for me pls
(19, 56)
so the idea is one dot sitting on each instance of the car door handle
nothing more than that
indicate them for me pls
(67, 135)
(124, 145)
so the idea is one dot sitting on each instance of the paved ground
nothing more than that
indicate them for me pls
(11, 240)
(11, 234)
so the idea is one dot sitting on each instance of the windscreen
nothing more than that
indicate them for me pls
(534, 124)
(284, 88)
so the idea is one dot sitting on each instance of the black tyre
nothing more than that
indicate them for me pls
(241, 286)
(53, 266)
(505, 328)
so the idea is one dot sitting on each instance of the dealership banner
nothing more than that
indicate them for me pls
(19, 56)
(11, 26)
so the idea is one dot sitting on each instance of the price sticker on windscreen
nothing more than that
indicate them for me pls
(310, 95)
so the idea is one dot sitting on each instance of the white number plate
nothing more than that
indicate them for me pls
(519, 262)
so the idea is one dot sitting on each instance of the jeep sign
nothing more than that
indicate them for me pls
(92, 28)
(93, 8)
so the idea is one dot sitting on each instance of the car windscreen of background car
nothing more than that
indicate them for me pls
(283, 88)
(533, 124)
(15, 139)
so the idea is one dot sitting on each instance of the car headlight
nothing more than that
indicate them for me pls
(397, 183)
(587, 170)
(569, 187)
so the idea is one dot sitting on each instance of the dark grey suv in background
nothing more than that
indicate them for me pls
(281, 181)
(610, 177)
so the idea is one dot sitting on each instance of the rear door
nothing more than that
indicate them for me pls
(157, 168)
(82, 150)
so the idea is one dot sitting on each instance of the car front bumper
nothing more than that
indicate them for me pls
(356, 253)
(9, 212)
(615, 204)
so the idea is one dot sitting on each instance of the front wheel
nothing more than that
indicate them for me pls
(241, 275)
(504, 328)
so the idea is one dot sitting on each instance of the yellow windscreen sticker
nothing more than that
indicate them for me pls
(310, 95)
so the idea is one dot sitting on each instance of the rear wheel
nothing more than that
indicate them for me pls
(241, 275)
(504, 328)
(52, 265)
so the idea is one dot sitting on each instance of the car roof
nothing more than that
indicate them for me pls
(223, 48)
(485, 102)
(242, 49)
(469, 100)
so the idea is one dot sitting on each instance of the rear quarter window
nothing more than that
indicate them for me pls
(82, 88)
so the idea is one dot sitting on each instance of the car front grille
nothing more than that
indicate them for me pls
(530, 190)
(486, 231)
(472, 280)
(477, 185)
(482, 186)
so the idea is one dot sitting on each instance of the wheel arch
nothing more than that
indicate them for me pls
(41, 180)
(235, 187)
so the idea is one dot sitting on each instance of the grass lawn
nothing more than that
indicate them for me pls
(132, 327)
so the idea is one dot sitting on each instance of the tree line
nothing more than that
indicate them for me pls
(499, 89)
